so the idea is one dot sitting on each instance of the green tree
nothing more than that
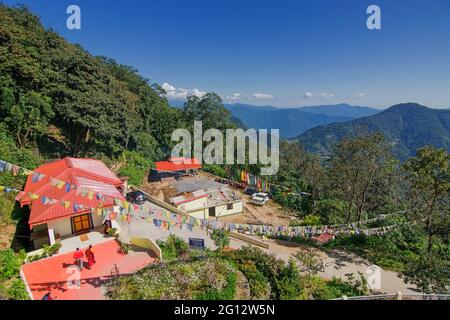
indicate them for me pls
(209, 109)
(428, 177)
(310, 262)
(361, 173)
(221, 238)
(29, 117)
(430, 273)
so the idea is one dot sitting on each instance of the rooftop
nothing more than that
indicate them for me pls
(190, 184)
(89, 174)
(178, 164)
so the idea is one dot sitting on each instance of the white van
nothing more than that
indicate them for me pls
(260, 198)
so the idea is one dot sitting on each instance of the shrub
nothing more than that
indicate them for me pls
(17, 290)
(113, 232)
(221, 238)
(225, 294)
(311, 220)
(215, 170)
(210, 278)
(9, 264)
(173, 247)
(135, 168)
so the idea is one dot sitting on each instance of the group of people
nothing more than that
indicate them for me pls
(78, 257)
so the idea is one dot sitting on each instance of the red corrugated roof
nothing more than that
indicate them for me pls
(89, 174)
(323, 238)
(178, 164)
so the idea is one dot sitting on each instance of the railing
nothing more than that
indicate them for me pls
(400, 296)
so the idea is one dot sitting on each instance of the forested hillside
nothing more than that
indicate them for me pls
(294, 121)
(407, 126)
(56, 96)
(58, 100)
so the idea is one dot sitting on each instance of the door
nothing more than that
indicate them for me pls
(81, 223)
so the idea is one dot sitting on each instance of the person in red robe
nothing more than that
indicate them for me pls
(78, 257)
(90, 256)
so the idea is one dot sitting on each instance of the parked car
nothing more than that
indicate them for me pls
(250, 191)
(260, 198)
(136, 197)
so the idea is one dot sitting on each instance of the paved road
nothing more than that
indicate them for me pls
(337, 263)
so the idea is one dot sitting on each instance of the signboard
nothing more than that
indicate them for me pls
(197, 243)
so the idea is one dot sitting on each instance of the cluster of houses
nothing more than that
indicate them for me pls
(49, 222)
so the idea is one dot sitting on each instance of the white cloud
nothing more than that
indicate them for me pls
(168, 87)
(197, 92)
(262, 96)
(321, 95)
(233, 98)
(181, 93)
(324, 95)
(308, 95)
(359, 95)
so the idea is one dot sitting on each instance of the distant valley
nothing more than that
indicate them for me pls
(292, 121)
(408, 126)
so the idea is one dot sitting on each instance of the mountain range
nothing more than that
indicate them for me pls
(291, 121)
(408, 126)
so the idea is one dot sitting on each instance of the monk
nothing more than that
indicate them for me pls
(90, 256)
(78, 257)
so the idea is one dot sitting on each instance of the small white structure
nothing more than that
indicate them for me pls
(203, 204)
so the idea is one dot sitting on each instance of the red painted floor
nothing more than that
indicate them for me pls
(52, 274)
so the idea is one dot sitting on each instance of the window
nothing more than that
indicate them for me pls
(230, 206)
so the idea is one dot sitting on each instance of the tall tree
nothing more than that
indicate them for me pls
(428, 177)
(361, 172)
(209, 109)
(29, 117)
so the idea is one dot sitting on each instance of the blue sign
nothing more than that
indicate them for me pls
(197, 243)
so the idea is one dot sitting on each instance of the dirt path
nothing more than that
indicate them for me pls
(6, 235)
(339, 263)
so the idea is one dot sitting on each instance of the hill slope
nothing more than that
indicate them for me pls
(409, 126)
(57, 96)
(294, 121)
(340, 110)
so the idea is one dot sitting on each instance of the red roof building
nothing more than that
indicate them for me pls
(86, 174)
(178, 164)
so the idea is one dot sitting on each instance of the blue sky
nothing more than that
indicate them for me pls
(282, 53)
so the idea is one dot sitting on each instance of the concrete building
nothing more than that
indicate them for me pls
(70, 190)
(205, 199)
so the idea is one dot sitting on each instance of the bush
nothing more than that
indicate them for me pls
(113, 232)
(225, 294)
(209, 278)
(221, 238)
(17, 290)
(9, 264)
(215, 170)
(173, 247)
(268, 277)
(136, 167)
(311, 220)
